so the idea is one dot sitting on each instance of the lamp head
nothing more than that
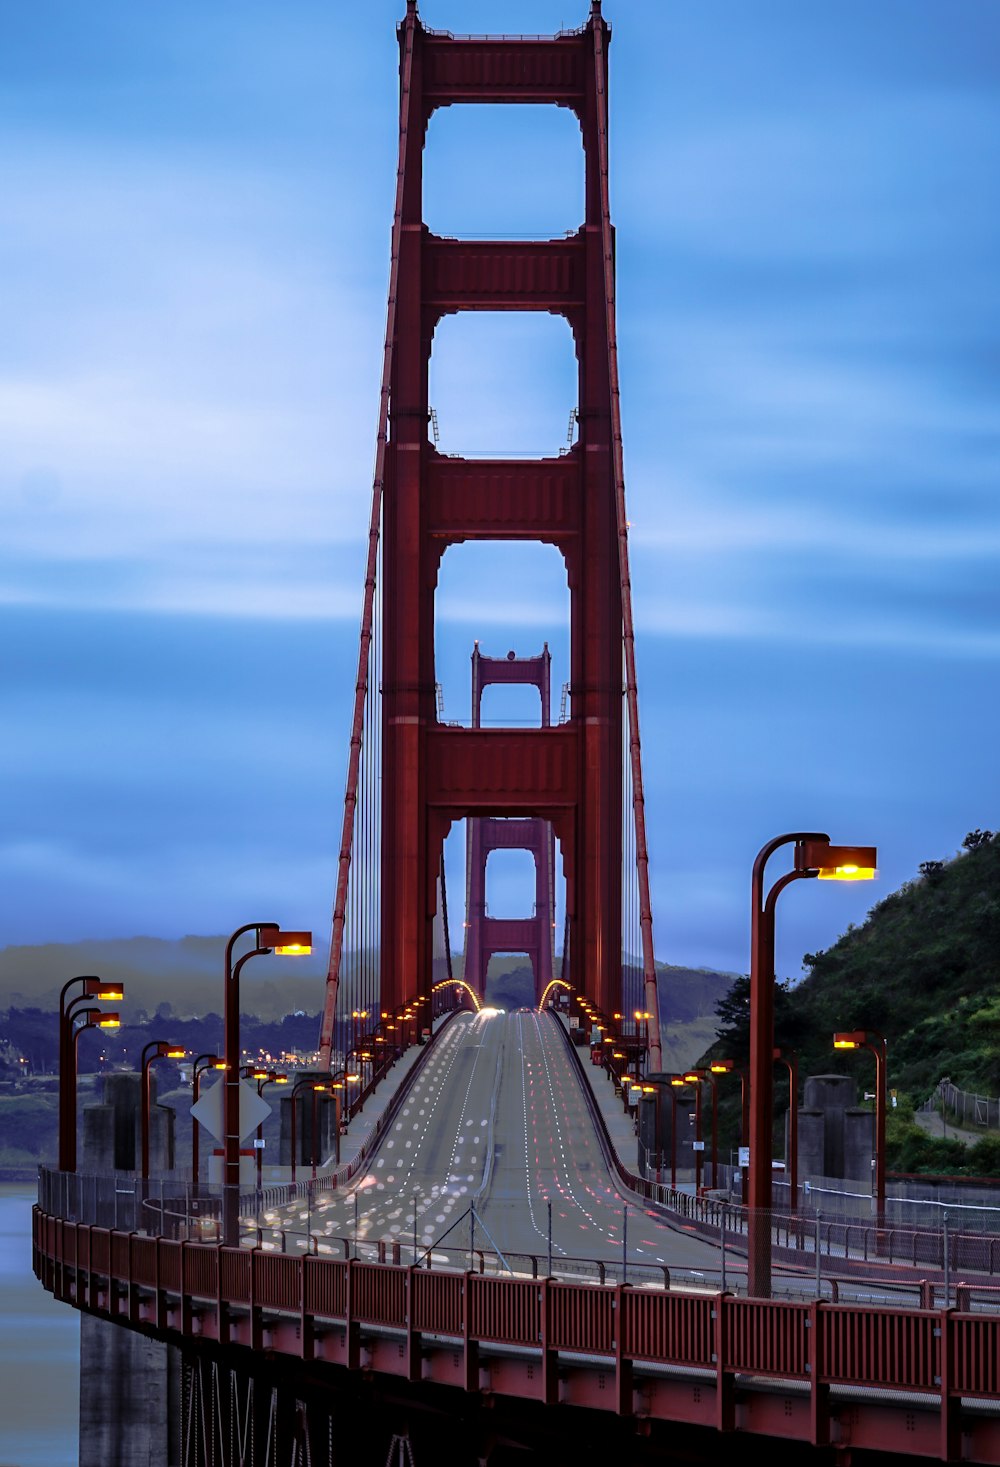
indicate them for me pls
(721, 1067)
(836, 863)
(853, 1039)
(104, 1021)
(286, 944)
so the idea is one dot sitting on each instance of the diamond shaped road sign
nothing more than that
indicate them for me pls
(253, 1110)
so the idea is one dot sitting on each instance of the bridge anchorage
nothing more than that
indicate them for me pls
(351, 1317)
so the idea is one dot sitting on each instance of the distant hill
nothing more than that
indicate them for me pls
(187, 975)
(688, 1000)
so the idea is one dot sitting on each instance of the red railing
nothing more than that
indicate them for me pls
(437, 1301)
(878, 1347)
(854, 1344)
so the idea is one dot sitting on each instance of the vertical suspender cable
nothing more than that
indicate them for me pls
(628, 632)
(361, 686)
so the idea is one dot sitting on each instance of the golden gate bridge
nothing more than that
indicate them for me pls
(429, 1294)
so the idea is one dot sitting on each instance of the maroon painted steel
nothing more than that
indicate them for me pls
(923, 1361)
(485, 935)
(426, 502)
(582, 1322)
(437, 1301)
(761, 1076)
(621, 525)
(669, 1327)
(433, 776)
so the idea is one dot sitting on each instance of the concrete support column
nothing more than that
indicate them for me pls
(129, 1385)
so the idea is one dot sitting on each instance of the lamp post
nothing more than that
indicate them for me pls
(92, 988)
(92, 1019)
(338, 1088)
(728, 1067)
(269, 1079)
(641, 1020)
(814, 857)
(874, 1042)
(789, 1058)
(202, 1063)
(268, 938)
(154, 1050)
(677, 1082)
(707, 1077)
(694, 1078)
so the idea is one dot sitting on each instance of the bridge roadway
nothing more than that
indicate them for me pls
(496, 1118)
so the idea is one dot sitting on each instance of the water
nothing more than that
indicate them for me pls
(39, 1351)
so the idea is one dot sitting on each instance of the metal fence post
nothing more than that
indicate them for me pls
(550, 1237)
(819, 1261)
(947, 1261)
(722, 1241)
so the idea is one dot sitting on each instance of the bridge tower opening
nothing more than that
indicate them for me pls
(486, 935)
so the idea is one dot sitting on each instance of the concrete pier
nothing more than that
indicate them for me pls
(129, 1385)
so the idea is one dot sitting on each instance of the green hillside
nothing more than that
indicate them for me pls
(923, 971)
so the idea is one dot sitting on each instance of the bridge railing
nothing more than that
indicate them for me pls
(950, 1354)
(812, 1257)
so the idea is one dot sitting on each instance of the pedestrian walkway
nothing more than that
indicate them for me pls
(619, 1121)
(945, 1128)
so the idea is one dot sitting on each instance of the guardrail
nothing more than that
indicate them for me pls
(796, 1237)
(316, 1308)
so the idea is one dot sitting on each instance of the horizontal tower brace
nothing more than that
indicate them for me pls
(490, 275)
(503, 499)
(502, 771)
(503, 70)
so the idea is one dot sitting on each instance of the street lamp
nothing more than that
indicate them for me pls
(708, 1077)
(154, 1050)
(93, 988)
(677, 1082)
(874, 1042)
(814, 857)
(789, 1058)
(317, 1087)
(92, 1019)
(728, 1067)
(268, 938)
(642, 1019)
(270, 1078)
(202, 1063)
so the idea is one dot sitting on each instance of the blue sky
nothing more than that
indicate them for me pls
(193, 262)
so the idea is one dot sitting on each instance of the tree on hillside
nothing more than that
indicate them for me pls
(733, 1012)
(977, 838)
